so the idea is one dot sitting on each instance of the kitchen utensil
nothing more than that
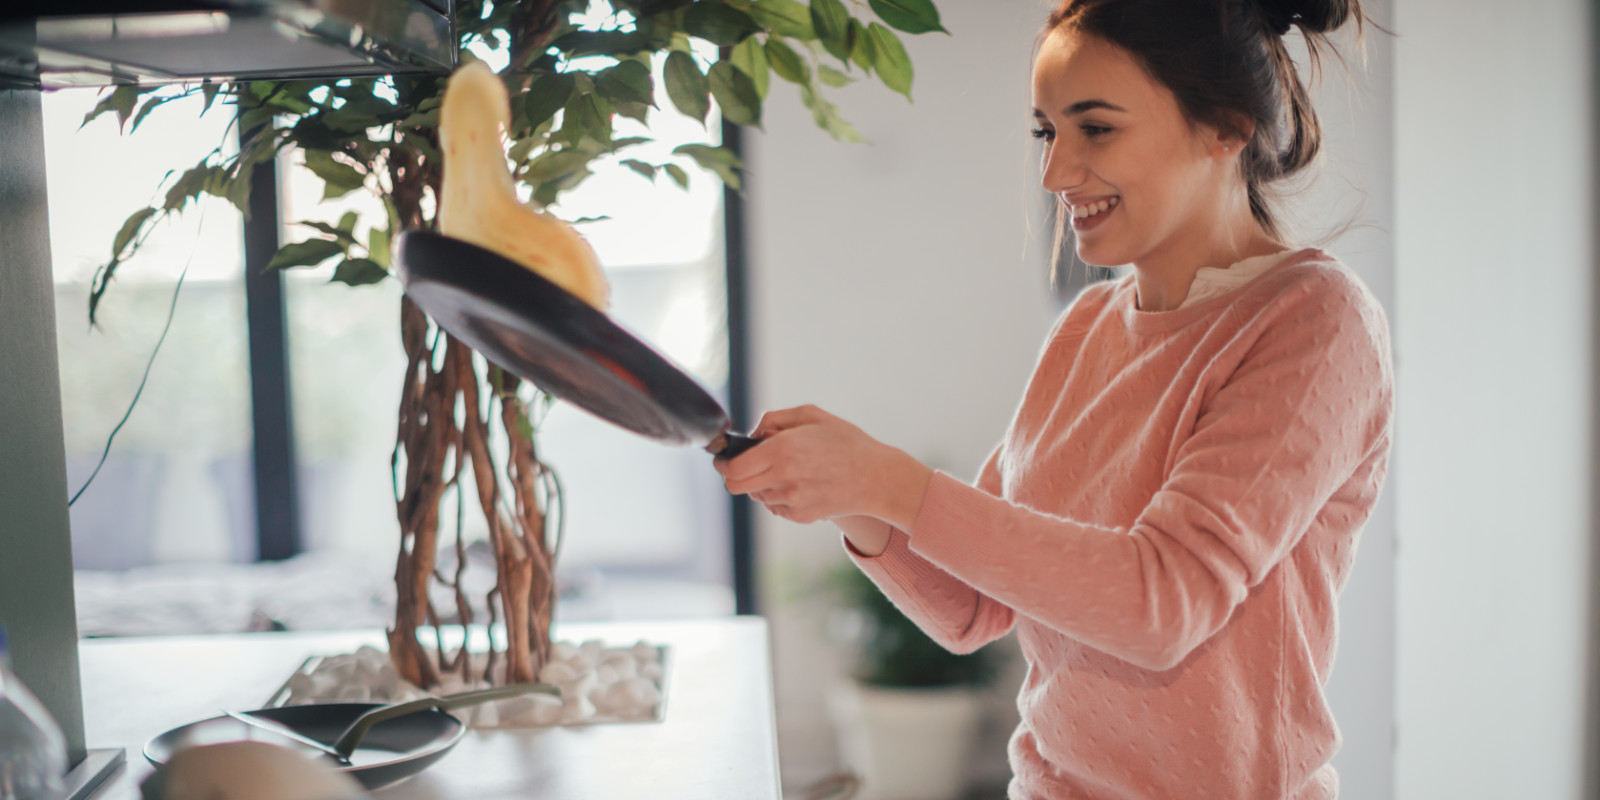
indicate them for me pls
(286, 731)
(541, 332)
(385, 743)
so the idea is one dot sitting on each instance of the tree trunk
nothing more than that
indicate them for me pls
(444, 426)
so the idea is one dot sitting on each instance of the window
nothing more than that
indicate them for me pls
(647, 525)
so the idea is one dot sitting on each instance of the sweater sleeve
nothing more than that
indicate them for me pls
(1308, 404)
(951, 612)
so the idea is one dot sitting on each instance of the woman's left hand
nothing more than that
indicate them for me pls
(814, 466)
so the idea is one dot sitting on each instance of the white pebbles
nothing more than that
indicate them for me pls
(597, 683)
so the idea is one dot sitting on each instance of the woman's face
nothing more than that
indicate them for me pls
(1138, 178)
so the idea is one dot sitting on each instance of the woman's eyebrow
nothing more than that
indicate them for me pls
(1082, 106)
(1090, 105)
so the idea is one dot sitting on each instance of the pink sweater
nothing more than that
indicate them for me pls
(1167, 523)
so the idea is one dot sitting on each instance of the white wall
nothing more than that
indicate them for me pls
(901, 286)
(1493, 106)
(1356, 188)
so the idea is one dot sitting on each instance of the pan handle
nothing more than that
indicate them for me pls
(729, 445)
(353, 735)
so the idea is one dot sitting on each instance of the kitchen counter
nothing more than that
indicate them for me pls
(717, 738)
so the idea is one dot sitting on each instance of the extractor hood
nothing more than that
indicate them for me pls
(52, 43)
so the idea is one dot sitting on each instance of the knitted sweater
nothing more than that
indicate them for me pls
(1167, 523)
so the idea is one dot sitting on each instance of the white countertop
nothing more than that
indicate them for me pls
(717, 740)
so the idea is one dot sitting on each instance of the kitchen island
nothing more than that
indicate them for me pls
(717, 738)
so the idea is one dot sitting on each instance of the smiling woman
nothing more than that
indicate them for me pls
(1170, 517)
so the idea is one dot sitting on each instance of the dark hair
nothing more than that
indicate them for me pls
(1226, 63)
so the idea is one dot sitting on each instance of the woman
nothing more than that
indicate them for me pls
(1176, 503)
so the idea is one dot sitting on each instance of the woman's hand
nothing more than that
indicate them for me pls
(814, 466)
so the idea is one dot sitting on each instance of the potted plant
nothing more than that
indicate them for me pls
(569, 82)
(908, 716)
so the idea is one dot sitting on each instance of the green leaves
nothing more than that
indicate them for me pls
(719, 160)
(308, 253)
(719, 24)
(786, 62)
(121, 100)
(785, 18)
(627, 82)
(827, 115)
(911, 16)
(736, 94)
(687, 85)
(751, 59)
(833, 77)
(339, 178)
(130, 229)
(894, 66)
(358, 272)
(549, 94)
(832, 23)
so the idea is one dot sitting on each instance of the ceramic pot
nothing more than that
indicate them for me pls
(906, 744)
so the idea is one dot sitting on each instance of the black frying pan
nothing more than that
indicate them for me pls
(542, 333)
(383, 748)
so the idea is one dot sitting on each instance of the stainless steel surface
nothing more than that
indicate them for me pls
(288, 733)
(88, 42)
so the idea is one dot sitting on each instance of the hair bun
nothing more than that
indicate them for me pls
(1313, 16)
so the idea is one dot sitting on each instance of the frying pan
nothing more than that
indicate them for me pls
(543, 333)
(392, 743)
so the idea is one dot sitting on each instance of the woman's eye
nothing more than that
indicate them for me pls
(1043, 133)
(1092, 131)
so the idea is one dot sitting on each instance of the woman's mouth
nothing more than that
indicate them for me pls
(1090, 215)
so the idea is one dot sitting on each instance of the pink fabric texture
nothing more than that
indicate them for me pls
(1167, 524)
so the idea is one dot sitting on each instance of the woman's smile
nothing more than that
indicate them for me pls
(1089, 214)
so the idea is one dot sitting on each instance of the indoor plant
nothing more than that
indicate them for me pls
(569, 82)
(907, 718)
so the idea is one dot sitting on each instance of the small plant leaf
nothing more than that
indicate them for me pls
(336, 232)
(719, 24)
(687, 86)
(378, 246)
(827, 116)
(719, 160)
(751, 59)
(786, 62)
(208, 90)
(785, 18)
(736, 94)
(894, 66)
(911, 16)
(833, 77)
(308, 253)
(627, 82)
(130, 229)
(358, 272)
(678, 175)
(862, 49)
(832, 22)
(549, 94)
(338, 178)
(647, 170)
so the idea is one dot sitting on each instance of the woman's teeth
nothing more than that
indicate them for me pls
(1094, 208)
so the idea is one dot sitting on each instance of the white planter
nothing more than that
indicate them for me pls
(906, 744)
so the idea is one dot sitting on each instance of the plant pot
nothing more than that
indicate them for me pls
(906, 744)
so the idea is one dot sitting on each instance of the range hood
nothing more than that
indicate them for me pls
(55, 43)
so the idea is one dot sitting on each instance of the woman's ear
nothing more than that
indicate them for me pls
(1231, 138)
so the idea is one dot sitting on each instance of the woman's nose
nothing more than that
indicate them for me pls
(1063, 168)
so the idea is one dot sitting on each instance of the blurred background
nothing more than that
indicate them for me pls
(904, 285)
